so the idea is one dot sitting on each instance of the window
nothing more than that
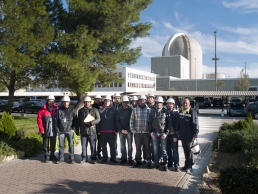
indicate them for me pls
(120, 74)
(120, 85)
(115, 84)
(111, 85)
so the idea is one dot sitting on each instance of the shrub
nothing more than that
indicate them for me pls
(32, 144)
(6, 150)
(8, 126)
(238, 180)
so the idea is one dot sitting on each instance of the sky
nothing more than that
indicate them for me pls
(236, 23)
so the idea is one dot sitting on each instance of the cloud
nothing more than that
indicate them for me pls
(233, 72)
(248, 5)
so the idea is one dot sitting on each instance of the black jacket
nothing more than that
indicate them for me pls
(108, 119)
(65, 119)
(87, 129)
(123, 116)
(188, 125)
(97, 106)
(174, 116)
(159, 121)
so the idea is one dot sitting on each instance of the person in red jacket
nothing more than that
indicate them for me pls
(46, 124)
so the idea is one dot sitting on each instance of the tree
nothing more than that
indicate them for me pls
(25, 31)
(220, 85)
(91, 39)
(243, 83)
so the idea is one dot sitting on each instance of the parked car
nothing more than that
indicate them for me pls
(218, 102)
(235, 100)
(201, 101)
(208, 101)
(31, 106)
(3, 106)
(194, 105)
(236, 108)
(252, 108)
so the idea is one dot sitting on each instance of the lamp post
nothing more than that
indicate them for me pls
(245, 68)
(215, 59)
(195, 76)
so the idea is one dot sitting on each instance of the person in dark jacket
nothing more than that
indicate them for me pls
(159, 125)
(46, 124)
(140, 128)
(97, 104)
(65, 126)
(123, 116)
(188, 131)
(117, 104)
(107, 129)
(88, 129)
(172, 138)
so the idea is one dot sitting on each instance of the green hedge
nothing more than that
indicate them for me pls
(238, 180)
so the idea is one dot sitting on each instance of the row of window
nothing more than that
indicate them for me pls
(137, 76)
(113, 84)
(139, 85)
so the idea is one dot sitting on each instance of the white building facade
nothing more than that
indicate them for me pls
(135, 81)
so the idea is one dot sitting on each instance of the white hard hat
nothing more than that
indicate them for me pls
(151, 95)
(51, 97)
(66, 98)
(134, 98)
(159, 99)
(142, 97)
(87, 99)
(171, 100)
(107, 97)
(125, 99)
(117, 95)
(97, 97)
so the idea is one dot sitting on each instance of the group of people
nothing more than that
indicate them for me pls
(155, 128)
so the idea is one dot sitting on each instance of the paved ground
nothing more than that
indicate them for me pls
(33, 176)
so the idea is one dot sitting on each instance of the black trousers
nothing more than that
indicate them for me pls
(98, 144)
(52, 148)
(111, 139)
(188, 153)
(140, 140)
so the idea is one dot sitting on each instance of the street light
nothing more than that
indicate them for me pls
(215, 59)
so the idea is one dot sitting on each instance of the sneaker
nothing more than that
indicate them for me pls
(83, 162)
(53, 158)
(103, 161)
(189, 170)
(113, 161)
(165, 168)
(123, 161)
(184, 168)
(72, 161)
(150, 166)
(176, 168)
(46, 160)
(137, 164)
(93, 162)
(59, 161)
(144, 162)
(130, 162)
(157, 166)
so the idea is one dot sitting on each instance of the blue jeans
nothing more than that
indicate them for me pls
(172, 150)
(69, 136)
(129, 138)
(84, 141)
(156, 142)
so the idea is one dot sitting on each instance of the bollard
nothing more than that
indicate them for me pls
(219, 144)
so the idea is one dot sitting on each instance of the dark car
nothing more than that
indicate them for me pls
(3, 106)
(236, 108)
(31, 106)
(235, 100)
(208, 101)
(252, 109)
(201, 101)
(194, 105)
(218, 102)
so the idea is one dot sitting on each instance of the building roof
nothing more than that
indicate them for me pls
(199, 93)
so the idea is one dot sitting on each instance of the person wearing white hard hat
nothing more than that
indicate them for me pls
(107, 129)
(123, 116)
(46, 123)
(97, 104)
(88, 118)
(188, 130)
(117, 100)
(159, 126)
(134, 101)
(66, 125)
(139, 127)
(172, 138)
(151, 100)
